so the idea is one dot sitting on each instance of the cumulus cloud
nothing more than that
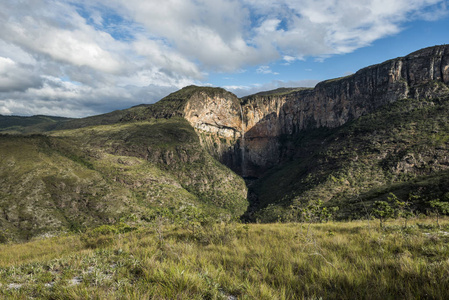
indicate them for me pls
(15, 77)
(327, 27)
(81, 57)
(265, 70)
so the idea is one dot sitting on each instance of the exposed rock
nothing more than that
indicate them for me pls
(214, 113)
(217, 118)
(332, 103)
(246, 134)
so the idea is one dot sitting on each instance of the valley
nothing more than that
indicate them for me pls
(348, 143)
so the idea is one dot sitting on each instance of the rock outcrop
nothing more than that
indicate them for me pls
(332, 103)
(247, 134)
(217, 118)
(214, 113)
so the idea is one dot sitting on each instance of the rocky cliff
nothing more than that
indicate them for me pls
(332, 103)
(214, 113)
(153, 157)
(247, 134)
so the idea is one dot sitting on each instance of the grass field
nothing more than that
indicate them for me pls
(353, 260)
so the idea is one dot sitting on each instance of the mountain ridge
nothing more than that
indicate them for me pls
(290, 144)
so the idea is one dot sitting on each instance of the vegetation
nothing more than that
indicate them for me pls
(173, 105)
(131, 205)
(227, 260)
(73, 179)
(275, 93)
(400, 149)
(383, 211)
(33, 124)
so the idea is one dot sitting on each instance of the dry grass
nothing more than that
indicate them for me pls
(236, 261)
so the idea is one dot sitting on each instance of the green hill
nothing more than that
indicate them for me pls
(33, 124)
(402, 148)
(72, 179)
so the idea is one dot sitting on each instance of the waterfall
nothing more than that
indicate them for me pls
(242, 143)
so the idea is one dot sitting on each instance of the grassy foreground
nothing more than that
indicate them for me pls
(353, 260)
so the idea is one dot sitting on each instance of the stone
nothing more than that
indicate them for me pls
(245, 134)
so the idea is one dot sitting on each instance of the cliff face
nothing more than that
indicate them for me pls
(334, 102)
(217, 118)
(214, 113)
(422, 74)
(247, 134)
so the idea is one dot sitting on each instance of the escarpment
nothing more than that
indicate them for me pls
(214, 113)
(172, 155)
(248, 134)
(332, 103)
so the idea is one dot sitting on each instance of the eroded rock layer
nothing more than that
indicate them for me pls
(332, 103)
(248, 134)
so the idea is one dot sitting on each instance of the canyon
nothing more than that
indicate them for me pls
(202, 150)
(246, 134)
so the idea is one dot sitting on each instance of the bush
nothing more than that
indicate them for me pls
(104, 235)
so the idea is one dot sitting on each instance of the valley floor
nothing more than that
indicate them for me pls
(353, 260)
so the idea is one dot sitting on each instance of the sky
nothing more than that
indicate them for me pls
(78, 58)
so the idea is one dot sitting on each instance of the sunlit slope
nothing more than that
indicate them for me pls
(77, 178)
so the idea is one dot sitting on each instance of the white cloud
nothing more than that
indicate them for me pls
(15, 77)
(326, 27)
(74, 43)
(79, 57)
(265, 70)
(289, 59)
(4, 111)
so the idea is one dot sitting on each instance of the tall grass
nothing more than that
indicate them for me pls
(235, 261)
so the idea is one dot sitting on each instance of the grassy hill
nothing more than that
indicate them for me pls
(354, 260)
(172, 105)
(73, 179)
(33, 124)
(403, 149)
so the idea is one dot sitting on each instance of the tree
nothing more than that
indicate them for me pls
(382, 211)
(311, 212)
(439, 208)
(403, 208)
(193, 218)
(327, 213)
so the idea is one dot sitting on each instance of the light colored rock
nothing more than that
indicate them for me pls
(247, 137)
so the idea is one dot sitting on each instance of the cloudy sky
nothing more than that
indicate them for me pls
(84, 57)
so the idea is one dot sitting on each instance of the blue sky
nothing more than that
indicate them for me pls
(77, 58)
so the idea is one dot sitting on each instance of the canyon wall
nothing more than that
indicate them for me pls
(246, 134)
(217, 119)
(332, 103)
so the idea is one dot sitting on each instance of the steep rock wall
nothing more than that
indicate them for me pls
(332, 103)
(217, 118)
(214, 113)
(247, 134)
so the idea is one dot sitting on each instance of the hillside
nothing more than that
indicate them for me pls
(403, 149)
(73, 179)
(33, 124)
(348, 142)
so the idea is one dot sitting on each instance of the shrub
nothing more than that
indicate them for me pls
(382, 211)
(104, 235)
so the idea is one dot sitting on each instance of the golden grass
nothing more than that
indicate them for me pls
(38, 250)
(234, 261)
